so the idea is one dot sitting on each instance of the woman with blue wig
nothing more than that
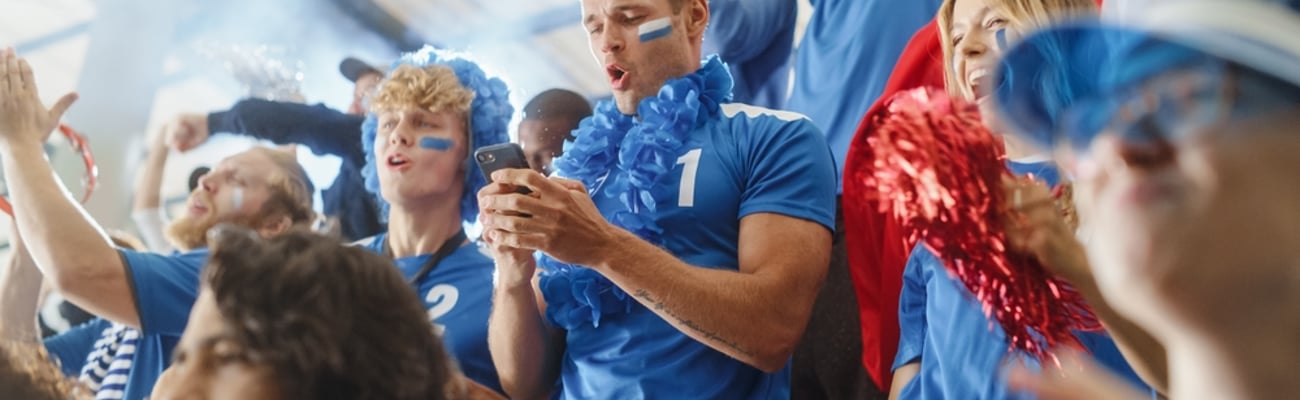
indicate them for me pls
(429, 114)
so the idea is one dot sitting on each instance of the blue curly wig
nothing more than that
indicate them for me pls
(489, 121)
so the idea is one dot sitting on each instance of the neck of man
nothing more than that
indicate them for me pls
(689, 68)
(421, 227)
(1257, 362)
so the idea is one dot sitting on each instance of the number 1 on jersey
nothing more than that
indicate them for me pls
(686, 194)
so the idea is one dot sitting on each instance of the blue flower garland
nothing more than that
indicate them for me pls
(643, 152)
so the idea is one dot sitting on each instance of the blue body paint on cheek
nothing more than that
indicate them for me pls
(655, 29)
(1001, 37)
(435, 143)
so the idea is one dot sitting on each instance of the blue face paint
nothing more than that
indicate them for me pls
(1001, 38)
(435, 143)
(655, 29)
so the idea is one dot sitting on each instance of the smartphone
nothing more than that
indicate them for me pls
(501, 156)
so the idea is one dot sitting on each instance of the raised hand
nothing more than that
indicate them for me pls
(186, 131)
(1037, 223)
(24, 119)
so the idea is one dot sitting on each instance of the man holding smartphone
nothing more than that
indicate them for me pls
(683, 239)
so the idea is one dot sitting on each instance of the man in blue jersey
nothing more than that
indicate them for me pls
(683, 240)
(429, 115)
(261, 189)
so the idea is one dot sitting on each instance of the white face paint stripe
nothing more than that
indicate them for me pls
(237, 197)
(655, 29)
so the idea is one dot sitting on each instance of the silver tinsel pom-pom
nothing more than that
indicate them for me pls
(266, 72)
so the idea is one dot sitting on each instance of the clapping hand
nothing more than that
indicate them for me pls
(23, 117)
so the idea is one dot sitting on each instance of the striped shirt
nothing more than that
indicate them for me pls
(108, 365)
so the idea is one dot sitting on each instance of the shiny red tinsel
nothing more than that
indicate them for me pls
(939, 170)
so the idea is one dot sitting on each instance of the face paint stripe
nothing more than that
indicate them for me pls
(1001, 37)
(237, 198)
(435, 143)
(655, 29)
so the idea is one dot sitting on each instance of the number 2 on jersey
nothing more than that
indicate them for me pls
(686, 194)
(442, 299)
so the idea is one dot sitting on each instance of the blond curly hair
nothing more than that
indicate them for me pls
(433, 88)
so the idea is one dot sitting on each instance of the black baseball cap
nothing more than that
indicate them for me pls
(353, 69)
(197, 174)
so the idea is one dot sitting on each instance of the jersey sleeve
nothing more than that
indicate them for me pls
(164, 287)
(740, 30)
(70, 349)
(911, 309)
(790, 172)
(324, 130)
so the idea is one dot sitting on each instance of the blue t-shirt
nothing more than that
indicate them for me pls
(749, 160)
(458, 295)
(756, 39)
(70, 348)
(845, 59)
(962, 353)
(164, 288)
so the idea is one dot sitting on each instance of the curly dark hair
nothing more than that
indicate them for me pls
(27, 373)
(331, 321)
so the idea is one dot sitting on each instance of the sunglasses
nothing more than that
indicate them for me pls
(1182, 104)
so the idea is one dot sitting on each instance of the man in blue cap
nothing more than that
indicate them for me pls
(1179, 130)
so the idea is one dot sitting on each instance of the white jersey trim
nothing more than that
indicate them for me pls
(731, 110)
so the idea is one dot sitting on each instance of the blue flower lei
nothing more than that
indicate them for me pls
(643, 152)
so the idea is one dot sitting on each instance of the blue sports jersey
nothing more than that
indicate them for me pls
(846, 57)
(164, 288)
(458, 297)
(748, 160)
(943, 327)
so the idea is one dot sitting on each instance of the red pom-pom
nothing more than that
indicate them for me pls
(939, 169)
